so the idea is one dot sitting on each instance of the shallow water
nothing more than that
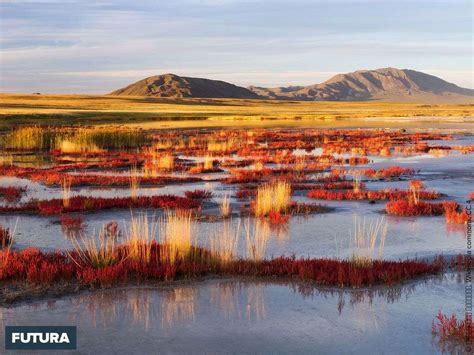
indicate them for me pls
(323, 235)
(248, 317)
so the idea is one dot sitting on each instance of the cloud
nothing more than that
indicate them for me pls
(104, 44)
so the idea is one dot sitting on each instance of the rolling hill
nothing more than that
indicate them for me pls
(386, 84)
(171, 85)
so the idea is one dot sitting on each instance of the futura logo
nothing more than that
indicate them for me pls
(36, 338)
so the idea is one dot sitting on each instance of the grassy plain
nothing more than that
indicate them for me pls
(162, 112)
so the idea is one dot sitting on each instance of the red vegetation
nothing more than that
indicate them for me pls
(71, 222)
(37, 267)
(457, 217)
(53, 178)
(278, 218)
(11, 193)
(86, 204)
(390, 172)
(198, 195)
(369, 195)
(245, 193)
(297, 208)
(450, 329)
(454, 215)
(245, 176)
(337, 185)
(410, 208)
(112, 230)
(5, 237)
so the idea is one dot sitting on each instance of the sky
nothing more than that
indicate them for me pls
(74, 46)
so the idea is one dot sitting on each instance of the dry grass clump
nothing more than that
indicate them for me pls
(26, 138)
(356, 176)
(6, 159)
(73, 140)
(215, 146)
(208, 163)
(256, 238)
(274, 197)
(258, 166)
(139, 236)
(415, 187)
(71, 147)
(134, 182)
(224, 207)
(165, 162)
(176, 233)
(66, 190)
(7, 236)
(364, 239)
(224, 242)
(95, 251)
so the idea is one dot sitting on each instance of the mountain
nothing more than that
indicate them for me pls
(171, 85)
(386, 84)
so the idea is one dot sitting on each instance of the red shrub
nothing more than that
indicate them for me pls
(390, 172)
(278, 218)
(70, 222)
(36, 267)
(198, 195)
(111, 229)
(5, 237)
(409, 208)
(450, 329)
(52, 177)
(453, 215)
(11, 193)
(86, 203)
(369, 195)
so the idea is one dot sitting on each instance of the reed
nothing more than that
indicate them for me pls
(134, 177)
(258, 166)
(224, 242)
(256, 238)
(356, 176)
(176, 233)
(415, 187)
(215, 146)
(7, 236)
(29, 137)
(73, 140)
(165, 162)
(364, 239)
(66, 191)
(274, 197)
(225, 208)
(6, 159)
(300, 164)
(208, 163)
(139, 237)
(75, 147)
(96, 251)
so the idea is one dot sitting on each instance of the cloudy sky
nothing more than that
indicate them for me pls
(79, 46)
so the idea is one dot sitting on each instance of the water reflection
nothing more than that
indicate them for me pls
(243, 301)
(179, 306)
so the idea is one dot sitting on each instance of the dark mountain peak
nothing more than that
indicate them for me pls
(175, 86)
(387, 84)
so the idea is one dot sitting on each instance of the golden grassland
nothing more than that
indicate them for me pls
(158, 112)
